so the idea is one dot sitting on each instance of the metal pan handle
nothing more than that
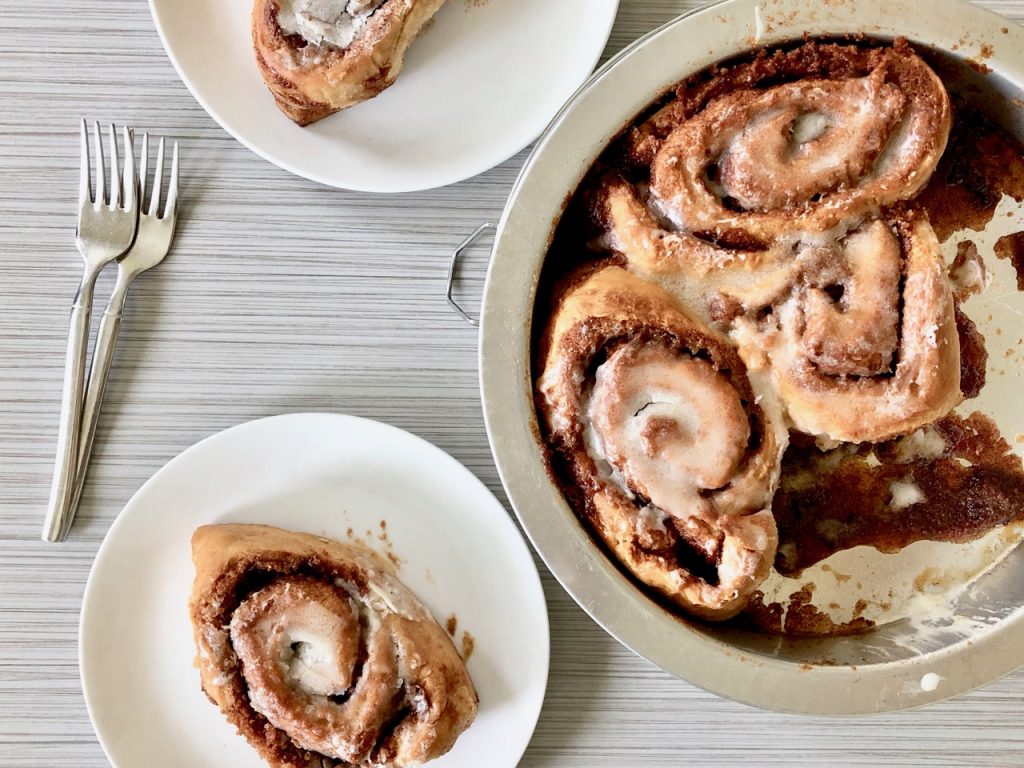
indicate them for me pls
(451, 272)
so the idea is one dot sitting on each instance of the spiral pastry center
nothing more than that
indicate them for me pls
(301, 648)
(797, 141)
(670, 423)
(307, 629)
(852, 325)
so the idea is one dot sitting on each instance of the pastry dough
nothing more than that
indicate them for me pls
(318, 655)
(672, 450)
(882, 361)
(311, 71)
(807, 155)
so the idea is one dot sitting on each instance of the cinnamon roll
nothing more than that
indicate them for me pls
(320, 56)
(319, 655)
(845, 122)
(865, 347)
(669, 447)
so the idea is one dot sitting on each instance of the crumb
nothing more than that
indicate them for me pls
(468, 645)
(1011, 248)
(451, 624)
(968, 274)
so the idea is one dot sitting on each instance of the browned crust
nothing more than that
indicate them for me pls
(338, 79)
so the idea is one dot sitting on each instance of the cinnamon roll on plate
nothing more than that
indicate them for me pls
(319, 655)
(314, 591)
(454, 85)
(746, 309)
(320, 56)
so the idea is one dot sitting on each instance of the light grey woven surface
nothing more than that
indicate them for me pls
(283, 296)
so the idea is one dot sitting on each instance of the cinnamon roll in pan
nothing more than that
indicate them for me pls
(319, 655)
(667, 445)
(321, 56)
(881, 362)
(805, 156)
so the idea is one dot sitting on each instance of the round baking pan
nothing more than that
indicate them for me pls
(895, 666)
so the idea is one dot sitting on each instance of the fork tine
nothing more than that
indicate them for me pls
(143, 170)
(158, 180)
(101, 183)
(129, 183)
(115, 173)
(172, 188)
(85, 183)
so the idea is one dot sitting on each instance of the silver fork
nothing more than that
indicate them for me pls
(107, 221)
(153, 241)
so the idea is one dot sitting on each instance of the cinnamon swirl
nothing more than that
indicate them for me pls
(318, 655)
(321, 56)
(665, 441)
(866, 348)
(807, 155)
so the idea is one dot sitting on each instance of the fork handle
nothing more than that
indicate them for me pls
(99, 370)
(66, 463)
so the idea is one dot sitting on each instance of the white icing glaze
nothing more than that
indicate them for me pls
(670, 423)
(335, 23)
(924, 443)
(905, 493)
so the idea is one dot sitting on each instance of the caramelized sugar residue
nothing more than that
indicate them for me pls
(973, 356)
(1011, 248)
(379, 542)
(888, 497)
(799, 617)
(980, 165)
(468, 645)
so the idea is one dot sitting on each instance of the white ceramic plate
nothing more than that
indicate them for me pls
(479, 84)
(320, 473)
